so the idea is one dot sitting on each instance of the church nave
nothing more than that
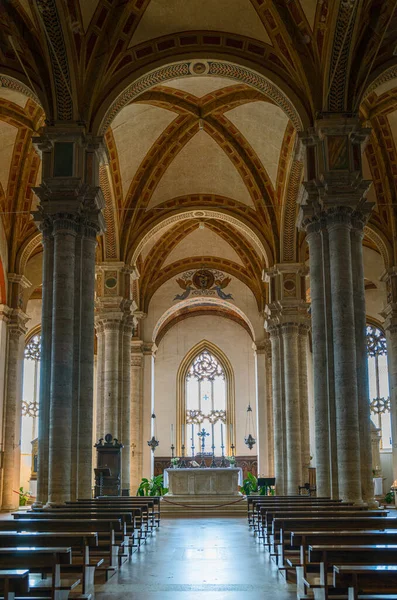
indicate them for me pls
(189, 557)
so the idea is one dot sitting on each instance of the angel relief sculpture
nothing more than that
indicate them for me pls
(203, 282)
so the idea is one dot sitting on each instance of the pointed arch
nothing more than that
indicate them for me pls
(181, 389)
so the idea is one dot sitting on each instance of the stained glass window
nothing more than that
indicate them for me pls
(379, 383)
(205, 403)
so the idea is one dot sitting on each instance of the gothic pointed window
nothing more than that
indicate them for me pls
(379, 384)
(30, 412)
(205, 387)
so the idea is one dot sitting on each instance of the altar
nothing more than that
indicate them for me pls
(203, 482)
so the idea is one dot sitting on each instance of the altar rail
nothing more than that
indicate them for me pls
(249, 464)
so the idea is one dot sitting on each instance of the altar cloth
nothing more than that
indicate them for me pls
(203, 482)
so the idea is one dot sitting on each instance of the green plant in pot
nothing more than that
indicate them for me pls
(250, 485)
(152, 487)
(23, 497)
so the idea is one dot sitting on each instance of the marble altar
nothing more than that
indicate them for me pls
(203, 482)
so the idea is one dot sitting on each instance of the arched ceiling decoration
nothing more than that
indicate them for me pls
(200, 103)
(215, 303)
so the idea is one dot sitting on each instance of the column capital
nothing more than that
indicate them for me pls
(70, 180)
(149, 349)
(287, 294)
(17, 323)
(334, 174)
(262, 346)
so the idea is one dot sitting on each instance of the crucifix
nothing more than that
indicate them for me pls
(202, 435)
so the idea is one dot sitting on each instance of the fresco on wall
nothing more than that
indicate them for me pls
(203, 282)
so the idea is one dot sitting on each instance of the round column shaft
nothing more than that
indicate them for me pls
(347, 431)
(136, 420)
(62, 361)
(100, 430)
(278, 413)
(45, 367)
(13, 418)
(111, 377)
(84, 466)
(360, 323)
(304, 402)
(292, 410)
(125, 429)
(320, 382)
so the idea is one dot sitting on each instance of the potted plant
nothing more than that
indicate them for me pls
(250, 485)
(152, 487)
(24, 496)
(174, 462)
(232, 460)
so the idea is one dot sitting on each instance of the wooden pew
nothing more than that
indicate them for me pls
(252, 500)
(111, 533)
(261, 508)
(267, 515)
(322, 558)
(142, 515)
(43, 561)
(155, 499)
(80, 542)
(14, 581)
(128, 516)
(278, 520)
(297, 553)
(366, 579)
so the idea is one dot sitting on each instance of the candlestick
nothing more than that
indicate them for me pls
(192, 440)
(213, 463)
(224, 462)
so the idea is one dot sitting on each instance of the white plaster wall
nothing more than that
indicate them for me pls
(234, 341)
(163, 299)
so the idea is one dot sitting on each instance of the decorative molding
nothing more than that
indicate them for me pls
(216, 68)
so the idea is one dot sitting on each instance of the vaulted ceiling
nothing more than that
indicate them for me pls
(201, 104)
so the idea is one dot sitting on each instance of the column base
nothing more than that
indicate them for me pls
(37, 505)
(54, 505)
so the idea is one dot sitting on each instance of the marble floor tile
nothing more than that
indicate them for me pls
(188, 557)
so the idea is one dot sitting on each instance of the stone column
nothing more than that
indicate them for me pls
(13, 409)
(125, 425)
(71, 201)
(290, 333)
(360, 322)
(111, 338)
(269, 408)
(348, 441)
(136, 413)
(319, 360)
(265, 445)
(62, 360)
(280, 466)
(100, 426)
(85, 430)
(45, 365)
(304, 401)
(334, 190)
(286, 312)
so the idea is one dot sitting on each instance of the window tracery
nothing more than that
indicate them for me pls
(379, 399)
(205, 385)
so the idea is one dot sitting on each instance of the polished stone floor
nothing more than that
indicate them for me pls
(186, 557)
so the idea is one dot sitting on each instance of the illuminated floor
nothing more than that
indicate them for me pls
(186, 557)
